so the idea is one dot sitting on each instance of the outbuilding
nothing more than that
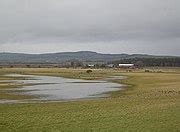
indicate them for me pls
(126, 65)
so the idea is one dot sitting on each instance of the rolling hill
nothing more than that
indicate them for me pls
(61, 57)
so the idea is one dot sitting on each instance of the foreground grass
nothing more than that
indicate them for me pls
(149, 103)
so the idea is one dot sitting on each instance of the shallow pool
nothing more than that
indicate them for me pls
(49, 88)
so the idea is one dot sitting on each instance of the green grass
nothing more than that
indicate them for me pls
(149, 102)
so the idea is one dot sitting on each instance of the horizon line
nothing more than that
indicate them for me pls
(88, 51)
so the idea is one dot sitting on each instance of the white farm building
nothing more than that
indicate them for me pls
(126, 65)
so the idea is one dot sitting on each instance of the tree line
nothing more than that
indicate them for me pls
(142, 62)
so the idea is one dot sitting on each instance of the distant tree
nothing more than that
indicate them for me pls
(97, 65)
(76, 63)
(103, 66)
(139, 64)
(163, 61)
(28, 66)
(147, 70)
(79, 64)
(72, 64)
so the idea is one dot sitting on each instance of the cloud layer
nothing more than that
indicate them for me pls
(114, 26)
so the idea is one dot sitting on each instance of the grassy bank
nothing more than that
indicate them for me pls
(150, 102)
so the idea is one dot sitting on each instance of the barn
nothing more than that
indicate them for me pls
(126, 65)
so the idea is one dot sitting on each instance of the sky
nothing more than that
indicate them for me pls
(105, 26)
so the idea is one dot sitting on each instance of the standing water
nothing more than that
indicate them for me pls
(48, 88)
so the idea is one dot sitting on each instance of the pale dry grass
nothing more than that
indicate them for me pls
(150, 102)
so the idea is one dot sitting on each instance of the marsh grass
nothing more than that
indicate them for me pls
(149, 102)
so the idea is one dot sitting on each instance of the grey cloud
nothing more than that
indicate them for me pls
(85, 21)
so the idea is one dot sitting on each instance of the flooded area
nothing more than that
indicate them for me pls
(49, 88)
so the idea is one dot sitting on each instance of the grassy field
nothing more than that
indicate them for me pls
(149, 102)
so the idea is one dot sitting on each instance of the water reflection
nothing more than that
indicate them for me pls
(58, 88)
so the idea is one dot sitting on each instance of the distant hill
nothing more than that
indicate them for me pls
(16, 58)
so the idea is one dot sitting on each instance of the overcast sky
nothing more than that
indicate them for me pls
(106, 26)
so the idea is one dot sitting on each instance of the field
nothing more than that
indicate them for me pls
(150, 101)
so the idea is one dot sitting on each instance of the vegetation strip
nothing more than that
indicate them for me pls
(150, 102)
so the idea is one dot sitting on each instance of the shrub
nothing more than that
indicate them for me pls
(88, 71)
(147, 70)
